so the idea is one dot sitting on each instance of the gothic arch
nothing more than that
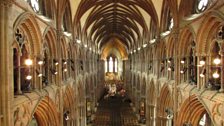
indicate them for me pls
(91, 82)
(152, 93)
(165, 102)
(143, 87)
(81, 91)
(207, 32)
(191, 111)
(172, 7)
(28, 24)
(69, 102)
(138, 82)
(187, 7)
(134, 79)
(170, 46)
(46, 113)
(186, 37)
(64, 47)
(151, 105)
(161, 52)
(51, 40)
(87, 86)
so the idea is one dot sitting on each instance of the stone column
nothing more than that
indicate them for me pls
(176, 76)
(107, 65)
(198, 72)
(221, 53)
(6, 66)
(58, 77)
(19, 74)
(114, 65)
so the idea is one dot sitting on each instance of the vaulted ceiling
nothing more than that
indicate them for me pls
(128, 21)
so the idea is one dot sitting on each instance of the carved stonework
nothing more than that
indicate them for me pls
(57, 101)
(22, 115)
(218, 114)
(6, 3)
(180, 99)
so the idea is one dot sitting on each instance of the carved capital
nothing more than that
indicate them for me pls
(175, 33)
(59, 33)
(6, 3)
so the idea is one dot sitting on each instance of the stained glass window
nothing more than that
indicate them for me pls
(111, 64)
(115, 65)
(35, 5)
(106, 66)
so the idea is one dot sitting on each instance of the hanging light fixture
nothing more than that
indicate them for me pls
(217, 61)
(39, 74)
(65, 69)
(53, 71)
(64, 61)
(28, 77)
(182, 71)
(170, 68)
(28, 62)
(66, 115)
(215, 75)
(183, 61)
(202, 74)
(169, 60)
(78, 40)
(40, 61)
(202, 62)
(55, 62)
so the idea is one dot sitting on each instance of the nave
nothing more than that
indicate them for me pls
(58, 56)
(115, 111)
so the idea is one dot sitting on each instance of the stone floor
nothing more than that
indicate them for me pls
(114, 112)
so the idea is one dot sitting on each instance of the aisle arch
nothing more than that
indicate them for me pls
(165, 102)
(191, 111)
(46, 113)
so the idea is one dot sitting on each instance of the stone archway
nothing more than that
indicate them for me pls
(46, 113)
(68, 110)
(192, 111)
(81, 101)
(142, 102)
(165, 103)
(151, 105)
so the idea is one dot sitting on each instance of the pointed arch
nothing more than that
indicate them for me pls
(186, 37)
(151, 93)
(64, 47)
(151, 104)
(143, 87)
(165, 102)
(27, 22)
(207, 32)
(46, 113)
(191, 111)
(50, 39)
(69, 102)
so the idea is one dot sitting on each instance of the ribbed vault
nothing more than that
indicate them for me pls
(99, 21)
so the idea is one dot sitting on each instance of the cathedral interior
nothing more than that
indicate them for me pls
(112, 62)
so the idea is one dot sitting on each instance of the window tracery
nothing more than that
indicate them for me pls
(202, 5)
